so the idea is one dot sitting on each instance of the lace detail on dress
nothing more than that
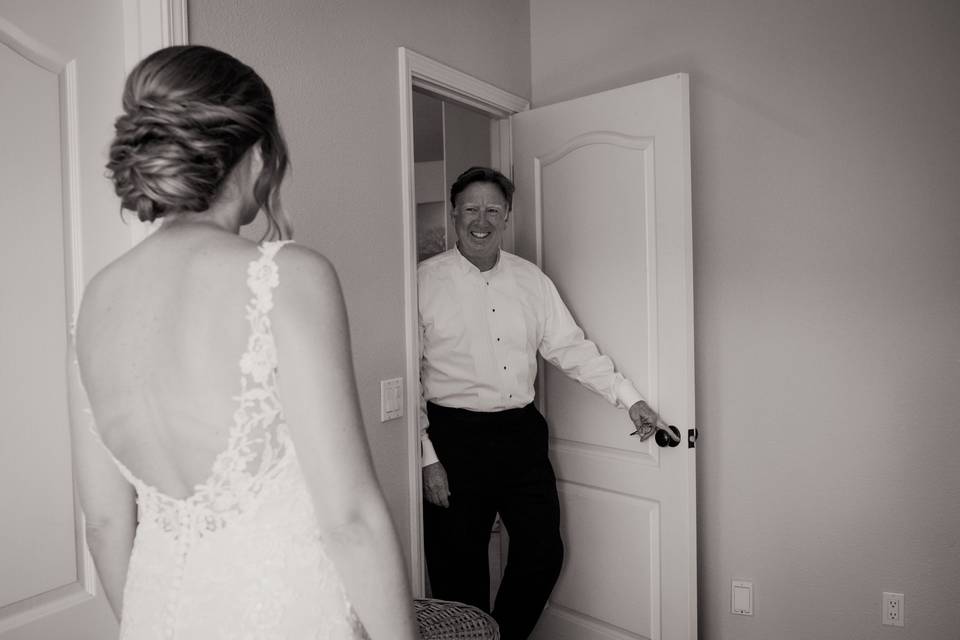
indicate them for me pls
(232, 485)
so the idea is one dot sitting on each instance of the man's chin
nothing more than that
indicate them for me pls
(477, 246)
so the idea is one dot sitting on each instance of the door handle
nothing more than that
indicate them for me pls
(669, 437)
(666, 438)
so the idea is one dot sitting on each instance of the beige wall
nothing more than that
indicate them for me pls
(333, 69)
(826, 191)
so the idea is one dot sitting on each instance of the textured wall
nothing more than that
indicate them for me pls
(333, 68)
(826, 157)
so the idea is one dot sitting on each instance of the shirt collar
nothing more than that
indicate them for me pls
(468, 267)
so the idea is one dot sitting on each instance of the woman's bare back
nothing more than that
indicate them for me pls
(159, 340)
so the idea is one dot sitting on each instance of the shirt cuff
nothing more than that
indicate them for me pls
(427, 455)
(627, 394)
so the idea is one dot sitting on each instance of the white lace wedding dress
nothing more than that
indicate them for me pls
(242, 556)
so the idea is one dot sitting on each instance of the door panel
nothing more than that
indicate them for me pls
(61, 73)
(603, 205)
(586, 562)
(43, 558)
(572, 243)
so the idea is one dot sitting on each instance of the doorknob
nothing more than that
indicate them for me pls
(666, 438)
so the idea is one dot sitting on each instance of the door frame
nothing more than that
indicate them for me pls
(147, 26)
(419, 71)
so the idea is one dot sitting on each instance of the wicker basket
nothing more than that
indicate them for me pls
(446, 620)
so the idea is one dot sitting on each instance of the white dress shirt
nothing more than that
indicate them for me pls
(480, 332)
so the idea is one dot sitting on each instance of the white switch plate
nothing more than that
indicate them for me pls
(391, 399)
(741, 598)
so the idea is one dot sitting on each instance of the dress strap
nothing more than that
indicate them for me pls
(263, 276)
(271, 247)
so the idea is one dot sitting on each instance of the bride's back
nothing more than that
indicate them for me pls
(159, 341)
(175, 342)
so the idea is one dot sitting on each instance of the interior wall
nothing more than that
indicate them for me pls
(428, 175)
(466, 143)
(466, 140)
(825, 140)
(333, 69)
(427, 127)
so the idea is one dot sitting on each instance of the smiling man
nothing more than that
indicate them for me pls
(484, 316)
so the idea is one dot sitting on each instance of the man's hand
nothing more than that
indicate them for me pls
(645, 420)
(435, 487)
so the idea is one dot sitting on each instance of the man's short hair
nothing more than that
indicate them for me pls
(482, 174)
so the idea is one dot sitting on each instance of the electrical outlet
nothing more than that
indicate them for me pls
(892, 609)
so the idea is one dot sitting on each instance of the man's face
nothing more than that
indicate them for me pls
(479, 219)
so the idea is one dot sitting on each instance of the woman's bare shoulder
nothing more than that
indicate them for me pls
(100, 294)
(309, 306)
(307, 272)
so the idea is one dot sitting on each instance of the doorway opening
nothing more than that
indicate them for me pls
(467, 107)
(448, 139)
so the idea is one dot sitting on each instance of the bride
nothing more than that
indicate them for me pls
(225, 476)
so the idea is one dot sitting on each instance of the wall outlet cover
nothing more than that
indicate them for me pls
(891, 609)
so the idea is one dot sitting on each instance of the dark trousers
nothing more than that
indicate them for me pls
(495, 463)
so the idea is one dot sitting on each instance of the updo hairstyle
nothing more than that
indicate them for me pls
(189, 115)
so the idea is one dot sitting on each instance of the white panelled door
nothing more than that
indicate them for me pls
(603, 206)
(62, 67)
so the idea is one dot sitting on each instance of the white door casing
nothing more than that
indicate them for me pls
(603, 206)
(62, 65)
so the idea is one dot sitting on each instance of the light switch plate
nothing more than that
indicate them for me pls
(391, 399)
(741, 598)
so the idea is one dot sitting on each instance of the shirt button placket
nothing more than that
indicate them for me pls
(493, 309)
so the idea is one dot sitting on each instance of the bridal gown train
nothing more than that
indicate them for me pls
(242, 556)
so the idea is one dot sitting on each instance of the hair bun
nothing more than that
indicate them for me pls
(161, 162)
(190, 114)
